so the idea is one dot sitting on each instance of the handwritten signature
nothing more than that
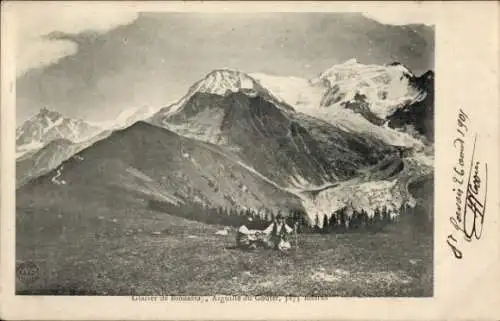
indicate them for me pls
(470, 194)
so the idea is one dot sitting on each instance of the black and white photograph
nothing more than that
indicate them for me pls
(276, 154)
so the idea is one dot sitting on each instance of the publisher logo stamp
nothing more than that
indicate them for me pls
(27, 272)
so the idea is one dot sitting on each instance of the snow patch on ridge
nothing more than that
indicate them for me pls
(295, 91)
(26, 148)
(353, 122)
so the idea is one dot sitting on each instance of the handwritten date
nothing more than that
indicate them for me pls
(470, 189)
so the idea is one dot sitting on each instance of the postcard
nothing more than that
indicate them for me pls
(250, 160)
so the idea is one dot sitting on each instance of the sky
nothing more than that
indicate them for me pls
(91, 65)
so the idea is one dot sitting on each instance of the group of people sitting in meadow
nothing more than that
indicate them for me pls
(275, 236)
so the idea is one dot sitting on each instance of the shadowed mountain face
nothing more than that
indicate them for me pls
(50, 156)
(337, 161)
(289, 148)
(143, 163)
(418, 116)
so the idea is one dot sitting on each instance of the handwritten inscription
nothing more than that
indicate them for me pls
(470, 190)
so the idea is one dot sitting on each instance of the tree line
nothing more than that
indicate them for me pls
(236, 217)
(339, 221)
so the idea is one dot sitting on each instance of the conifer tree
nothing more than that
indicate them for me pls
(362, 219)
(385, 215)
(316, 223)
(326, 225)
(342, 219)
(333, 221)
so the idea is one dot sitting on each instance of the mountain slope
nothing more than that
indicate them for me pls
(267, 134)
(329, 156)
(47, 158)
(143, 163)
(50, 156)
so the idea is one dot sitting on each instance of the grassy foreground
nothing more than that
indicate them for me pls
(152, 253)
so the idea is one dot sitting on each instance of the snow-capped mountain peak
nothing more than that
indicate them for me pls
(355, 71)
(48, 125)
(48, 114)
(224, 81)
(37, 125)
(384, 88)
(355, 96)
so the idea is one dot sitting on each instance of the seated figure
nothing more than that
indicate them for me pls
(277, 234)
(248, 239)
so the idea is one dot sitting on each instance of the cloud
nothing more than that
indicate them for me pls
(402, 13)
(37, 20)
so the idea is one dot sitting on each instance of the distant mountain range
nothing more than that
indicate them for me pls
(47, 126)
(357, 133)
(48, 138)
